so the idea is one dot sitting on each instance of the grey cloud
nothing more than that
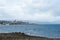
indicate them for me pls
(30, 9)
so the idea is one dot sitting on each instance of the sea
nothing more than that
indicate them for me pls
(42, 30)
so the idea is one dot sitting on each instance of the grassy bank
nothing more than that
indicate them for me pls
(22, 36)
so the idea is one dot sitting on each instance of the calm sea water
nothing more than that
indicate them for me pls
(51, 31)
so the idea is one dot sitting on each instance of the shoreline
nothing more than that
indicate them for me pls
(22, 36)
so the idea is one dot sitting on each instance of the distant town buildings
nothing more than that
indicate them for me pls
(15, 22)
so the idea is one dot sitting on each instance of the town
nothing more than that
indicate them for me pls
(4, 22)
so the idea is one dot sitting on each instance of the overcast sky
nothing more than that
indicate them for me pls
(36, 10)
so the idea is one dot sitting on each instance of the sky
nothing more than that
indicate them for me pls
(35, 10)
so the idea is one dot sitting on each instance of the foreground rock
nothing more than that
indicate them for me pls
(22, 36)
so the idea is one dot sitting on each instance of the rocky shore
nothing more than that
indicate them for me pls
(22, 36)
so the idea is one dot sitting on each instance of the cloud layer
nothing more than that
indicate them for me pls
(37, 10)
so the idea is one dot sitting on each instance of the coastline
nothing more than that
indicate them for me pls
(22, 36)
